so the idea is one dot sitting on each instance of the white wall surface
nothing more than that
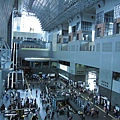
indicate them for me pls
(116, 62)
(27, 34)
(34, 53)
(80, 57)
(74, 20)
(116, 86)
(54, 41)
(110, 60)
(88, 17)
(106, 61)
(109, 5)
(105, 78)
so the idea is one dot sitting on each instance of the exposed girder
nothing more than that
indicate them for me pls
(54, 12)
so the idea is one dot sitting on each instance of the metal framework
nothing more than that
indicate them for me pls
(54, 12)
(5, 53)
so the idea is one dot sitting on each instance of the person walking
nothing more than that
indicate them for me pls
(57, 112)
(47, 108)
(97, 112)
(35, 117)
(52, 116)
(36, 93)
(70, 118)
(83, 117)
(106, 112)
(31, 90)
(68, 114)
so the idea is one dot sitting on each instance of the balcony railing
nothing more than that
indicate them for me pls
(28, 45)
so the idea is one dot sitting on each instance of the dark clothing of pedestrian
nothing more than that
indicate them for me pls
(36, 92)
(45, 118)
(68, 113)
(57, 112)
(83, 117)
(52, 114)
(47, 108)
(106, 112)
(70, 118)
(97, 112)
(34, 117)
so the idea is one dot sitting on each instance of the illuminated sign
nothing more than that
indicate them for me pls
(63, 67)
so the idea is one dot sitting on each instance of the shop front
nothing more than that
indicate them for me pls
(104, 102)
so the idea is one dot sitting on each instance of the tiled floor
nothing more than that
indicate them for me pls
(42, 112)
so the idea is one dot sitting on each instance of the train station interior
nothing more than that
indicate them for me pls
(60, 60)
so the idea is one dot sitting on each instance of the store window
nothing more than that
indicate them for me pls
(70, 38)
(37, 64)
(77, 36)
(116, 76)
(100, 17)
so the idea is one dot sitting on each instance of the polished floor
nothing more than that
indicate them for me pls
(42, 113)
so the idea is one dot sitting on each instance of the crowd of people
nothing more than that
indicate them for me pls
(14, 106)
(46, 95)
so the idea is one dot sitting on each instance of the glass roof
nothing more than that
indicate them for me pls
(54, 12)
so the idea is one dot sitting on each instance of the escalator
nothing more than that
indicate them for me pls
(15, 77)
